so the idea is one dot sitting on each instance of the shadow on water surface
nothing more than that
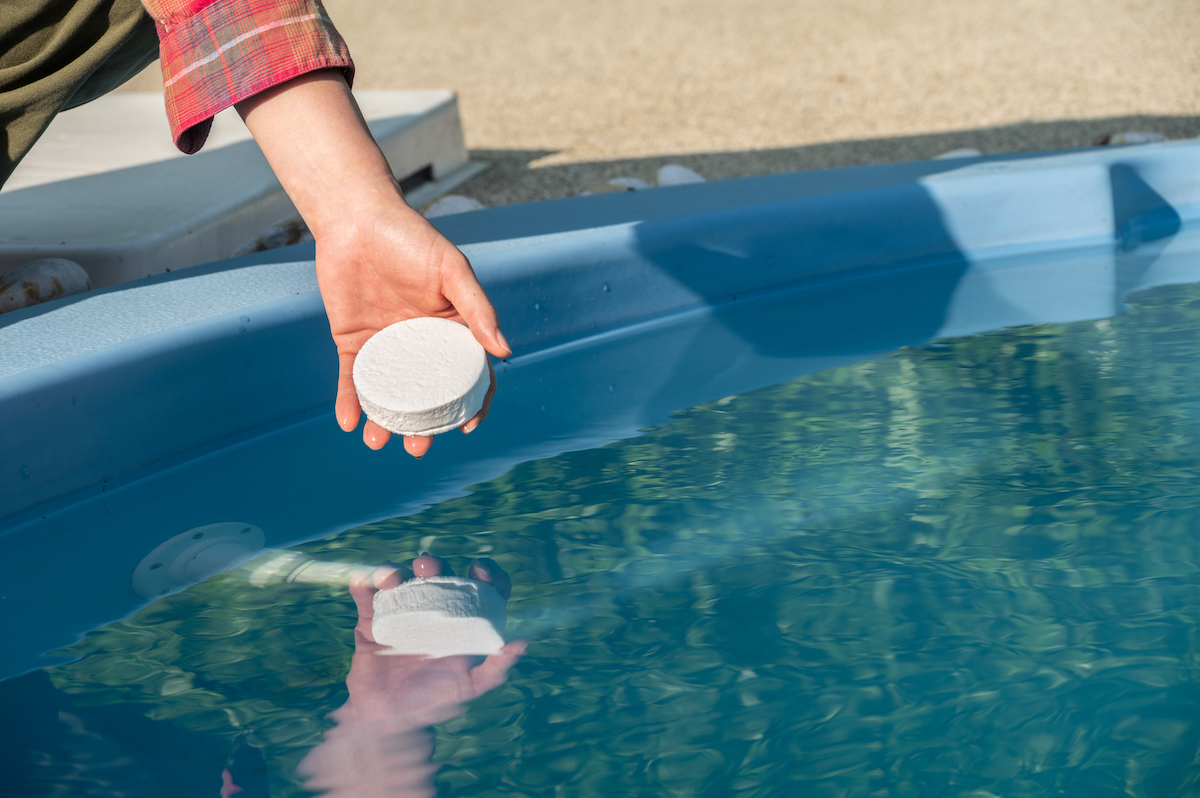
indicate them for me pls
(898, 281)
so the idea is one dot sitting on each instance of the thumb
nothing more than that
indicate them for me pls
(463, 290)
(493, 671)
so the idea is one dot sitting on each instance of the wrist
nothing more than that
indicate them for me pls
(334, 173)
(377, 712)
(351, 203)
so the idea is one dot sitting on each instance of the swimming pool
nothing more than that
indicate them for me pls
(920, 529)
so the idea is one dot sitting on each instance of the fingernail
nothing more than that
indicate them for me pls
(470, 426)
(425, 554)
(503, 341)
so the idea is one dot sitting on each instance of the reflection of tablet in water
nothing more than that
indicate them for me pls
(439, 616)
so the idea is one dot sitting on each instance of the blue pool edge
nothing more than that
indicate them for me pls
(225, 351)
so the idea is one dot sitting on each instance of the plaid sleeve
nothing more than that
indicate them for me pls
(216, 53)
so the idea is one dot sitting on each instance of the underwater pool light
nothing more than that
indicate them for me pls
(195, 555)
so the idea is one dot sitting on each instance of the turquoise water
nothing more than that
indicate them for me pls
(968, 568)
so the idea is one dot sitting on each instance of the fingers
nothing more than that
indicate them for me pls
(478, 418)
(365, 584)
(488, 570)
(375, 436)
(363, 592)
(346, 409)
(417, 445)
(462, 288)
(388, 575)
(493, 671)
(427, 565)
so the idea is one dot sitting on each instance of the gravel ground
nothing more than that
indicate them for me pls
(560, 95)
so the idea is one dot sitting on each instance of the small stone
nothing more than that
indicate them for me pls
(961, 152)
(450, 205)
(617, 184)
(41, 281)
(1129, 137)
(630, 183)
(281, 234)
(675, 175)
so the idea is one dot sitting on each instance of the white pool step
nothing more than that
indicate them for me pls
(106, 188)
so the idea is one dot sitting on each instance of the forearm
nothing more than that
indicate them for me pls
(381, 745)
(318, 145)
(378, 758)
(378, 261)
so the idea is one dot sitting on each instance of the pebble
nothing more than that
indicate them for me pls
(1129, 137)
(281, 234)
(675, 175)
(41, 281)
(961, 152)
(450, 205)
(617, 184)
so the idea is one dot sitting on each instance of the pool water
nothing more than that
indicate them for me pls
(964, 568)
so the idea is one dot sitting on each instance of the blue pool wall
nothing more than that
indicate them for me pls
(101, 386)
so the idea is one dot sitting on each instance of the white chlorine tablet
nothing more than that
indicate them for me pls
(439, 616)
(421, 376)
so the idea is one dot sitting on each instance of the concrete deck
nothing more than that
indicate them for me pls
(559, 96)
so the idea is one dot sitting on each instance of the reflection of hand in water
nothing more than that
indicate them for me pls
(425, 690)
(382, 744)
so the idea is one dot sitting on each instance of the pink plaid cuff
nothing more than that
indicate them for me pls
(233, 49)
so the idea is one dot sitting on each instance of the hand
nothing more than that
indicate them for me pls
(381, 745)
(378, 260)
(386, 265)
(420, 690)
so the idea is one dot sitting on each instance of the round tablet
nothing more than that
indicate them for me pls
(422, 376)
(439, 616)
